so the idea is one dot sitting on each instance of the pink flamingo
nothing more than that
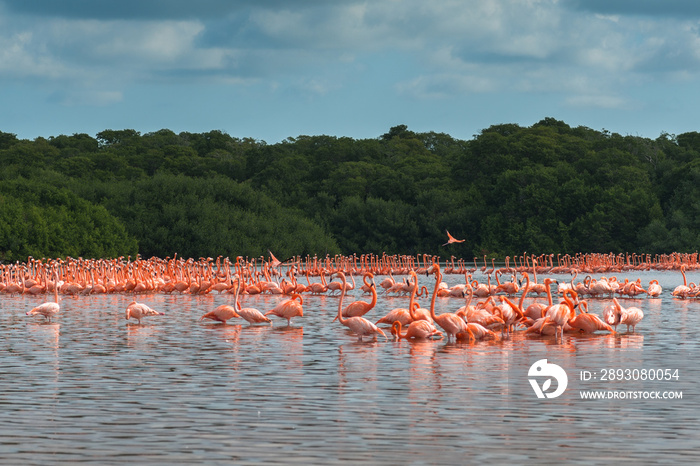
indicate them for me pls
(683, 290)
(387, 282)
(418, 329)
(315, 287)
(138, 311)
(588, 323)
(221, 313)
(654, 290)
(452, 324)
(479, 315)
(611, 315)
(13, 288)
(332, 287)
(401, 314)
(350, 286)
(451, 239)
(476, 331)
(360, 308)
(535, 287)
(543, 326)
(537, 310)
(274, 262)
(359, 325)
(249, 314)
(510, 313)
(561, 313)
(509, 288)
(48, 309)
(289, 308)
(630, 316)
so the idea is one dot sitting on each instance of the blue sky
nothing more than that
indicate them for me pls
(273, 69)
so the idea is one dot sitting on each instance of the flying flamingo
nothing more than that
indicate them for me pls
(359, 325)
(452, 324)
(274, 262)
(48, 309)
(138, 311)
(249, 314)
(451, 239)
(289, 308)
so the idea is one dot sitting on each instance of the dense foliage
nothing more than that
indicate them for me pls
(548, 188)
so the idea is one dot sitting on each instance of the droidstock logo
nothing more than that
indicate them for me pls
(542, 368)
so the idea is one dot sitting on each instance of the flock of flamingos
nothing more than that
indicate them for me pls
(490, 310)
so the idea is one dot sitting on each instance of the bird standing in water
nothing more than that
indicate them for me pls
(48, 309)
(249, 314)
(138, 311)
(288, 308)
(359, 325)
(221, 313)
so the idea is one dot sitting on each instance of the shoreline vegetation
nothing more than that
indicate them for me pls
(544, 189)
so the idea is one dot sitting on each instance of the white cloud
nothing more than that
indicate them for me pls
(20, 57)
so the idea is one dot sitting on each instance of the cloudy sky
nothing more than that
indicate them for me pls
(272, 69)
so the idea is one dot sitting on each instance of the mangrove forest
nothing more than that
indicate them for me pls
(547, 188)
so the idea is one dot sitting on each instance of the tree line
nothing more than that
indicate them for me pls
(547, 188)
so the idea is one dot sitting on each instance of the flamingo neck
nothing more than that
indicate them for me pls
(397, 329)
(525, 290)
(340, 301)
(235, 299)
(413, 295)
(438, 278)
(569, 304)
(470, 296)
(548, 285)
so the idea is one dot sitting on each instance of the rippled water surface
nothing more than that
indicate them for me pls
(93, 387)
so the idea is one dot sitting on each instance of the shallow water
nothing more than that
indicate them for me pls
(93, 387)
